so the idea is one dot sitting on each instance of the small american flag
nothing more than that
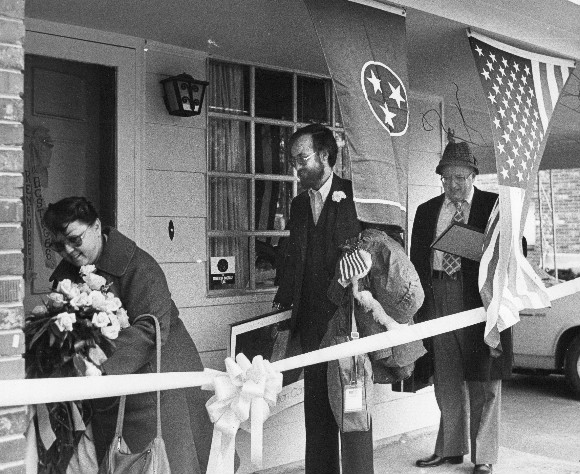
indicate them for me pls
(356, 262)
(522, 89)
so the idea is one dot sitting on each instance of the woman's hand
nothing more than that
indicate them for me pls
(366, 300)
(369, 303)
(84, 367)
(91, 369)
(394, 325)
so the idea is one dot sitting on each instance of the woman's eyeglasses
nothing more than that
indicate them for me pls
(76, 241)
(301, 161)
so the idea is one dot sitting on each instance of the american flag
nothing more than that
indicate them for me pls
(521, 89)
(354, 263)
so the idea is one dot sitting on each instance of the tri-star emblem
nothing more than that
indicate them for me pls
(387, 97)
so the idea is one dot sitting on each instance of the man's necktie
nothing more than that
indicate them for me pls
(316, 202)
(452, 263)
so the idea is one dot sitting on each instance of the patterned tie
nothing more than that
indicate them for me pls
(452, 263)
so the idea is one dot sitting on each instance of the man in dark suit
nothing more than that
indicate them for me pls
(321, 219)
(464, 367)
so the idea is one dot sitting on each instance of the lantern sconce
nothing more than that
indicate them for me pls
(183, 95)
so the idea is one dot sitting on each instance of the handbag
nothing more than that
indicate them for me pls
(153, 459)
(349, 373)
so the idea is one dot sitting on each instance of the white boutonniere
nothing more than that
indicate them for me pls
(338, 196)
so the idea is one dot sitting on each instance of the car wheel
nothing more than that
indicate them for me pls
(572, 365)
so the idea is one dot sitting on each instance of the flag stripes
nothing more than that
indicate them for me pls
(352, 264)
(522, 90)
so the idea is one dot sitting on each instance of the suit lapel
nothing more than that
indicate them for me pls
(302, 222)
(475, 216)
(332, 209)
(434, 216)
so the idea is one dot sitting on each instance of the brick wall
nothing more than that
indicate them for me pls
(13, 421)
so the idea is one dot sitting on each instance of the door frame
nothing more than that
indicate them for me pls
(126, 55)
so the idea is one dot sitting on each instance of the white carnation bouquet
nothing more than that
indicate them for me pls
(70, 334)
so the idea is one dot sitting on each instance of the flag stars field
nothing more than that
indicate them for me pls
(510, 120)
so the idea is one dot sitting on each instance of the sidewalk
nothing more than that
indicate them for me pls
(398, 457)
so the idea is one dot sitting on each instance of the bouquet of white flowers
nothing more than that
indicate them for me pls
(69, 334)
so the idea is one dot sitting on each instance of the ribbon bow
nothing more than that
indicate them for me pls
(247, 389)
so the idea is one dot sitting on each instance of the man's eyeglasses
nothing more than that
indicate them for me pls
(75, 242)
(457, 178)
(301, 161)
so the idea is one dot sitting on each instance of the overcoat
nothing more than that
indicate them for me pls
(342, 224)
(139, 282)
(394, 283)
(478, 363)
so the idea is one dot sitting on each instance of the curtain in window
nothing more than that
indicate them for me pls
(228, 151)
(342, 166)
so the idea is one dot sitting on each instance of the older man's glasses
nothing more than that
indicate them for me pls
(457, 178)
(299, 160)
(75, 241)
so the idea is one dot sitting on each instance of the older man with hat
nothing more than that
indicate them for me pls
(467, 374)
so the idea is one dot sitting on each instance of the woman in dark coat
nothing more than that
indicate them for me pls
(138, 281)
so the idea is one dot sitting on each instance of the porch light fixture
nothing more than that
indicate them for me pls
(183, 95)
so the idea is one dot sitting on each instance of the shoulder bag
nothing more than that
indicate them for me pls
(350, 372)
(119, 459)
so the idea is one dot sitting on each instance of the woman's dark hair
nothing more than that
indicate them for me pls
(322, 140)
(60, 214)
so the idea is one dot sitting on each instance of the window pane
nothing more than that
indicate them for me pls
(273, 94)
(265, 262)
(228, 147)
(229, 258)
(229, 198)
(313, 100)
(271, 150)
(272, 204)
(229, 88)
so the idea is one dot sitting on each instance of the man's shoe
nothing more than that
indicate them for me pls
(483, 469)
(434, 461)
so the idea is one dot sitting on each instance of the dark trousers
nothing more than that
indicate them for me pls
(322, 433)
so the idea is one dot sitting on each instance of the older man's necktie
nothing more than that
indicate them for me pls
(452, 263)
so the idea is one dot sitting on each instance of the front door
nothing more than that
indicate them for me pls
(79, 140)
(68, 150)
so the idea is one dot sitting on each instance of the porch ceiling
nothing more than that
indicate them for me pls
(280, 33)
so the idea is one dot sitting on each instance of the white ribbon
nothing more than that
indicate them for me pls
(245, 390)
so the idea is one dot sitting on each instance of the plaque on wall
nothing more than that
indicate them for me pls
(222, 272)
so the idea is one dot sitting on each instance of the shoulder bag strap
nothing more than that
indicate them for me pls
(352, 335)
(121, 414)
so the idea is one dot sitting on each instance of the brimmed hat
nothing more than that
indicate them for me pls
(457, 154)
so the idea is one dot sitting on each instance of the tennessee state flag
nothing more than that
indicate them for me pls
(366, 56)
